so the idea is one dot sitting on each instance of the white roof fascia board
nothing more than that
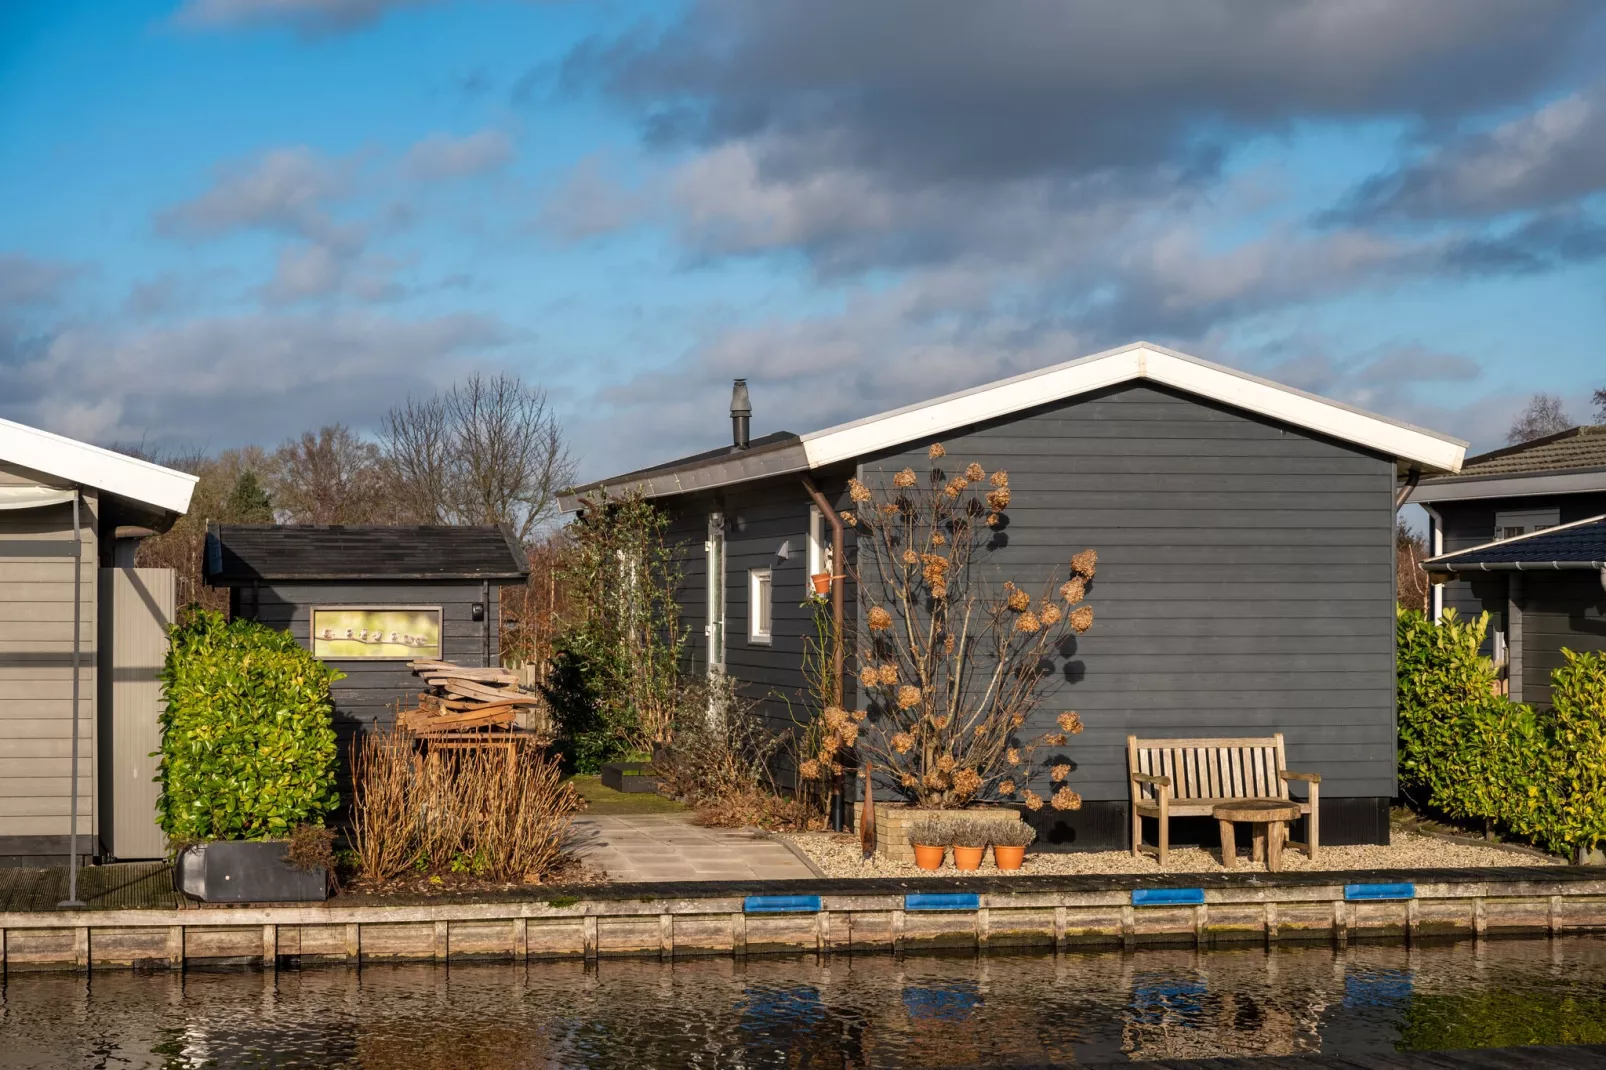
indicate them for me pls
(34, 497)
(1138, 361)
(1514, 539)
(1530, 485)
(92, 466)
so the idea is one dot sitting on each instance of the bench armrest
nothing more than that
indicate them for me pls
(1149, 778)
(1309, 778)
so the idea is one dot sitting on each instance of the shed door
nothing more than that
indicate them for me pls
(137, 609)
(715, 630)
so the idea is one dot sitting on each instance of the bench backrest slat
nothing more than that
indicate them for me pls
(1203, 768)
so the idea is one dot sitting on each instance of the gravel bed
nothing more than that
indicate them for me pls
(837, 855)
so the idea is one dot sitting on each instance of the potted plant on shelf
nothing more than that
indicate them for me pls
(953, 654)
(1010, 842)
(247, 762)
(929, 837)
(970, 843)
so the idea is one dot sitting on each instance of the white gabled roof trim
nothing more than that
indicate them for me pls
(1431, 451)
(91, 466)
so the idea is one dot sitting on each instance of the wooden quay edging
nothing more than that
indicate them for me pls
(727, 918)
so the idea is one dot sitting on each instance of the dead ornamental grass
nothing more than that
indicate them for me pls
(839, 856)
(481, 811)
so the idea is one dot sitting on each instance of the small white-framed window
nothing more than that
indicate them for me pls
(759, 605)
(1512, 523)
(819, 548)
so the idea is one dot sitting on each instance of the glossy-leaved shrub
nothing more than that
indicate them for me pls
(248, 740)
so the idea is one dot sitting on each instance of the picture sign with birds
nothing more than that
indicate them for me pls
(342, 632)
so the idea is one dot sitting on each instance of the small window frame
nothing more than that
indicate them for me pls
(819, 550)
(761, 606)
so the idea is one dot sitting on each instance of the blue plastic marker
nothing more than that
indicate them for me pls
(1403, 890)
(942, 901)
(1166, 897)
(781, 904)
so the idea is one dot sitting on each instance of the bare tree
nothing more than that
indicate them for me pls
(1410, 582)
(1600, 404)
(1543, 416)
(328, 477)
(488, 451)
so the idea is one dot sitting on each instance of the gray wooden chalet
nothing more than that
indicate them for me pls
(289, 576)
(1520, 532)
(1245, 533)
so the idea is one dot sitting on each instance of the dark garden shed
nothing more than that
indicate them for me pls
(1245, 539)
(369, 599)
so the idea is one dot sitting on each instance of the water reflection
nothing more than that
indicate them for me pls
(835, 1012)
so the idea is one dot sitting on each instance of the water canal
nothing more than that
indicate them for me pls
(838, 1011)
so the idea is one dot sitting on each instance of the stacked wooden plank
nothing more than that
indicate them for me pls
(457, 698)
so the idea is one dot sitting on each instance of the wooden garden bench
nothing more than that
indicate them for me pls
(1191, 777)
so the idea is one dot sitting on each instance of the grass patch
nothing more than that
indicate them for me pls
(603, 800)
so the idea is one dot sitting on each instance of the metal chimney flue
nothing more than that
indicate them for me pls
(741, 414)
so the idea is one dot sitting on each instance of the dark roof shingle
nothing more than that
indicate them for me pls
(1576, 447)
(240, 553)
(1581, 545)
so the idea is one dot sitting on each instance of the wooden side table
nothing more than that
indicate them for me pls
(1269, 818)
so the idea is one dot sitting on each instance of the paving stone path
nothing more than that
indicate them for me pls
(668, 847)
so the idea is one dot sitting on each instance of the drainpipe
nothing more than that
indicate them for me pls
(837, 596)
(1412, 478)
(72, 899)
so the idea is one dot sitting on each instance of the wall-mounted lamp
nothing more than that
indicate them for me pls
(477, 611)
(785, 552)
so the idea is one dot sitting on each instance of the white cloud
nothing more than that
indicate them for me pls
(286, 189)
(441, 157)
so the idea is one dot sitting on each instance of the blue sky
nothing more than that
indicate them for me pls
(226, 221)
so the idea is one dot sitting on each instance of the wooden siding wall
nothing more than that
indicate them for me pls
(1245, 581)
(1471, 523)
(367, 697)
(36, 613)
(1559, 609)
(758, 520)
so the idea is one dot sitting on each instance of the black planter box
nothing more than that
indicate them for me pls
(633, 777)
(246, 871)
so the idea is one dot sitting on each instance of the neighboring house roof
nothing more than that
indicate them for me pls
(77, 462)
(1579, 545)
(1412, 447)
(242, 553)
(1569, 462)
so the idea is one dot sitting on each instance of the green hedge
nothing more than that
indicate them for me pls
(1474, 754)
(248, 740)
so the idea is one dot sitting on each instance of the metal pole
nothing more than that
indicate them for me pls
(72, 899)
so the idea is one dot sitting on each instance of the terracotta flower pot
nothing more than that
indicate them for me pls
(822, 582)
(929, 857)
(968, 857)
(1008, 857)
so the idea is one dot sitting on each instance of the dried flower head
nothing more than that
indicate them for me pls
(967, 782)
(1084, 563)
(1050, 615)
(879, 619)
(998, 500)
(1060, 771)
(909, 780)
(1017, 719)
(834, 717)
(992, 520)
(908, 697)
(1054, 739)
(859, 716)
(809, 770)
(1000, 478)
(1018, 600)
(948, 645)
(946, 763)
(911, 558)
(956, 486)
(1069, 722)
(828, 745)
(849, 733)
(1032, 800)
(936, 451)
(975, 472)
(1073, 590)
(1012, 756)
(888, 675)
(848, 518)
(903, 742)
(940, 721)
(888, 508)
(870, 677)
(939, 591)
(905, 478)
(1082, 619)
(1027, 622)
(934, 779)
(1066, 799)
(1006, 787)
(938, 538)
(858, 491)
